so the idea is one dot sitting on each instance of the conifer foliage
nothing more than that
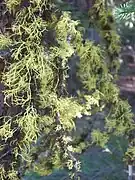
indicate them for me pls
(41, 39)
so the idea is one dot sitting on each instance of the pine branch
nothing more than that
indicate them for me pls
(125, 11)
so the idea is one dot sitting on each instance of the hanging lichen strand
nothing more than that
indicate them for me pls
(35, 84)
(35, 78)
(119, 120)
(38, 136)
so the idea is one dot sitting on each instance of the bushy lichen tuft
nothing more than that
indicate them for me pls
(35, 78)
